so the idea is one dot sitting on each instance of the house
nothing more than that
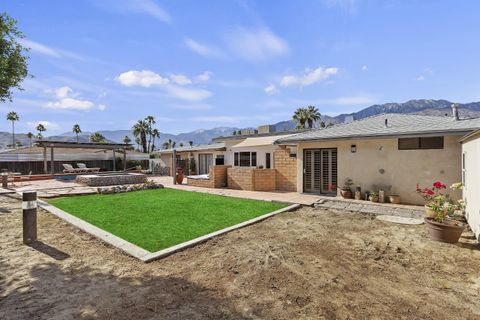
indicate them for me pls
(471, 179)
(391, 152)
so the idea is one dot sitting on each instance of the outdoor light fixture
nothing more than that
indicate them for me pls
(353, 148)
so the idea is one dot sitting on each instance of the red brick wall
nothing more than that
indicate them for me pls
(286, 177)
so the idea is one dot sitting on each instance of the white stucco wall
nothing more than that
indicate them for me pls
(261, 154)
(471, 191)
(402, 168)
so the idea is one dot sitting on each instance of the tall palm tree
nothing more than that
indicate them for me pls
(190, 143)
(13, 116)
(155, 134)
(312, 115)
(30, 136)
(165, 145)
(169, 143)
(127, 140)
(76, 129)
(41, 128)
(174, 144)
(300, 117)
(97, 137)
(137, 141)
(181, 144)
(150, 120)
(139, 130)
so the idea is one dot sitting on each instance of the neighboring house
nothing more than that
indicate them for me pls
(471, 179)
(392, 152)
(26, 159)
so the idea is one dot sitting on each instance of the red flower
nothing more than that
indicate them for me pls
(439, 185)
(428, 192)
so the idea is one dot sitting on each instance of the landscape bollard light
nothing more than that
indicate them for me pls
(29, 210)
(4, 179)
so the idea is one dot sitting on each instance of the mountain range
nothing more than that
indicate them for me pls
(202, 136)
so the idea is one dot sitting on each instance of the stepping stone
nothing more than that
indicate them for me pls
(401, 220)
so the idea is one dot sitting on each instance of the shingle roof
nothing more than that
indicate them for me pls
(201, 147)
(397, 125)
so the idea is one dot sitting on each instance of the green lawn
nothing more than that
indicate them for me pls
(158, 219)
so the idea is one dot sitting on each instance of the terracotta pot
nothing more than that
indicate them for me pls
(429, 212)
(373, 198)
(346, 193)
(443, 232)
(394, 199)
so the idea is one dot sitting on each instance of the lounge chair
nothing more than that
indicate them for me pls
(87, 169)
(70, 169)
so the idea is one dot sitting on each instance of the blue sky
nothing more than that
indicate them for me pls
(202, 64)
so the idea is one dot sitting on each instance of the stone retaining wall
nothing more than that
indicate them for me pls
(111, 179)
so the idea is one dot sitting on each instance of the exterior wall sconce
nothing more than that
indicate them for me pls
(353, 148)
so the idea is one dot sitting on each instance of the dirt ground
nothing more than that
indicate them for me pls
(308, 264)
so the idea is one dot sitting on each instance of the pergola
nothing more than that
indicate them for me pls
(121, 147)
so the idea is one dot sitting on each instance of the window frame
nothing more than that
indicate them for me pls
(268, 160)
(239, 162)
(420, 146)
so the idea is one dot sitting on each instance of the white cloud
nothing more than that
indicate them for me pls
(309, 77)
(202, 49)
(40, 48)
(145, 78)
(102, 107)
(47, 124)
(420, 78)
(364, 68)
(353, 100)
(66, 98)
(271, 90)
(204, 77)
(256, 44)
(180, 79)
(148, 7)
(189, 94)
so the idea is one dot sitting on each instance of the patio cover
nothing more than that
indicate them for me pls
(259, 141)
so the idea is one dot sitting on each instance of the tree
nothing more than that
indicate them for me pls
(76, 129)
(173, 144)
(181, 144)
(13, 116)
(127, 140)
(300, 117)
(139, 130)
(13, 62)
(30, 136)
(312, 115)
(97, 137)
(165, 145)
(190, 143)
(40, 128)
(150, 121)
(234, 132)
(155, 134)
(137, 141)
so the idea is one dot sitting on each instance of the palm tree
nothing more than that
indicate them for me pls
(190, 143)
(139, 130)
(174, 144)
(165, 145)
(97, 137)
(234, 132)
(137, 141)
(40, 128)
(150, 120)
(76, 129)
(155, 134)
(169, 143)
(181, 144)
(13, 116)
(127, 140)
(312, 116)
(300, 117)
(30, 136)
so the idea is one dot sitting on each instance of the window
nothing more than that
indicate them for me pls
(245, 159)
(267, 161)
(220, 160)
(420, 143)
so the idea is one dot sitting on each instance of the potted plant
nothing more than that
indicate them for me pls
(192, 166)
(373, 197)
(346, 190)
(429, 194)
(446, 224)
(395, 199)
(179, 176)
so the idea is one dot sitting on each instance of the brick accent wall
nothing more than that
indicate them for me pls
(251, 179)
(286, 177)
(218, 178)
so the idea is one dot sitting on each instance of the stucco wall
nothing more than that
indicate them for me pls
(260, 150)
(471, 191)
(402, 168)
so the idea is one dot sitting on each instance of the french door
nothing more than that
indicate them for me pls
(204, 162)
(320, 171)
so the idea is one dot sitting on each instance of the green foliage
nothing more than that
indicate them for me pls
(306, 116)
(97, 137)
(127, 140)
(158, 219)
(13, 62)
(40, 128)
(192, 165)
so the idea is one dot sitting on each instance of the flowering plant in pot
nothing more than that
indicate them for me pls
(444, 224)
(346, 189)
(373, 197)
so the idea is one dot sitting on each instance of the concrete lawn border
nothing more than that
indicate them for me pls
(140, 253)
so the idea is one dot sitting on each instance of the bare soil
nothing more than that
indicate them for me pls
(309, 264)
